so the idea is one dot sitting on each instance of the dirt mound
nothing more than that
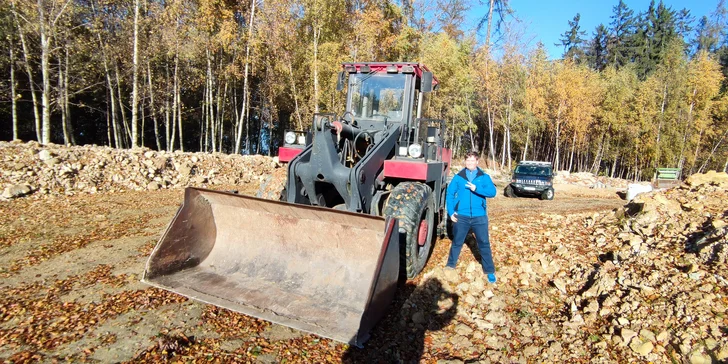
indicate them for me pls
(660, 285)
(31, 168)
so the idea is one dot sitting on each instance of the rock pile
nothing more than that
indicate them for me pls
(31, 168)
(588, 179)
(647, 282)
(658, 287)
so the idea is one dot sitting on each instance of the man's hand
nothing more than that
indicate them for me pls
(454, 217)
(471, 186)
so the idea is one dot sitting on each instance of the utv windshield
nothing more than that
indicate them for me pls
(377, 96)
(533, 170)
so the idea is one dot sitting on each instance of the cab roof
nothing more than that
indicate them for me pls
(389, 67)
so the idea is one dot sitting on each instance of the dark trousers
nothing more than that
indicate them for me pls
(479, 226)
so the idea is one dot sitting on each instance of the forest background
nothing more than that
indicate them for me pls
(644, 90)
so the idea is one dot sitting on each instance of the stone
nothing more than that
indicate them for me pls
(44, 155)
(627, 335)
(700, 358)
(16, 191)
(648, 335)
(496, 317)
(530, 351)
(641, 347)
(153, 186)
(462, 329)
(560, 285)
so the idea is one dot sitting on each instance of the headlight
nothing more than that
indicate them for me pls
(290, 137)
(415, 150)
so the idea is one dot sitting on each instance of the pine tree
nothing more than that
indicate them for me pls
(572, 40)
(596, 53)
(622, 28)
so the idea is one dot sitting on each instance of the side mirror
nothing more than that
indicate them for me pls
(426, 82)
(340, 81)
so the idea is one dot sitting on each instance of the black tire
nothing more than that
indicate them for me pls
(412, 203)
(509, 191)
(547, 194)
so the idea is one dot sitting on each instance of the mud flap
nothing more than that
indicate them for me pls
(329, 272)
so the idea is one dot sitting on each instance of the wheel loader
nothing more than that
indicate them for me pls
(362, 203)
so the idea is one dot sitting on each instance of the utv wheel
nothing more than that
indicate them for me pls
(547, 194)
(413, 205)
(509, 191)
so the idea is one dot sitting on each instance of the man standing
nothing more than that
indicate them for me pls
(466, 207)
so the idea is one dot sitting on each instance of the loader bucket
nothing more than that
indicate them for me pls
(329, 272)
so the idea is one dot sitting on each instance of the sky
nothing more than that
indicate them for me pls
(546, 20)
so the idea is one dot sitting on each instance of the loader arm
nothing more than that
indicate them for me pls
(317, 176)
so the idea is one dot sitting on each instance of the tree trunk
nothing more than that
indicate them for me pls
(175, 88)
(247, 121)
(152, 107)
(204, 122)
(111, 98)
(245, 79)
(179, 110)
(14, 104)
(470, 125)
(108, 123)
(270, 125)
(62, 89)
(221, 112)
(45, 49)
(712, 151)
(697, 149)
(29, 72)
(295, 95)
(659, 128)
(487, 80)
(528, 138)
(573, 147)
(135, 72)
(210, 106)
(124, 122)
(598, 156)
(681, 159)
(508, 130)
(114, 123)
(316, 35)
(491, 127)
(558, 132)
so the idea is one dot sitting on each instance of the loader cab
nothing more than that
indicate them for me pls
(381, 93)
(379, 98)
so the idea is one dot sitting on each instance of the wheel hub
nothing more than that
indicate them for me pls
(422, 233)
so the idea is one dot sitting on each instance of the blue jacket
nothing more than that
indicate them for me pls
(466, 203)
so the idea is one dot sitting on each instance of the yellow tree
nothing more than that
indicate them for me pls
(614, 113)
(450, 60)
(571, 102)
(665, 89)
(719, 127)
(510, 74)
(581, 109)
(536, 93)
(703, 82)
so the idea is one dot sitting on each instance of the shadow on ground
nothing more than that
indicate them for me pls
(400, 337)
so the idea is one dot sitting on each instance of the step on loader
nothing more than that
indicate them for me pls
(364, 197)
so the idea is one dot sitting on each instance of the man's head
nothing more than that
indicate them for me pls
(471, 160)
